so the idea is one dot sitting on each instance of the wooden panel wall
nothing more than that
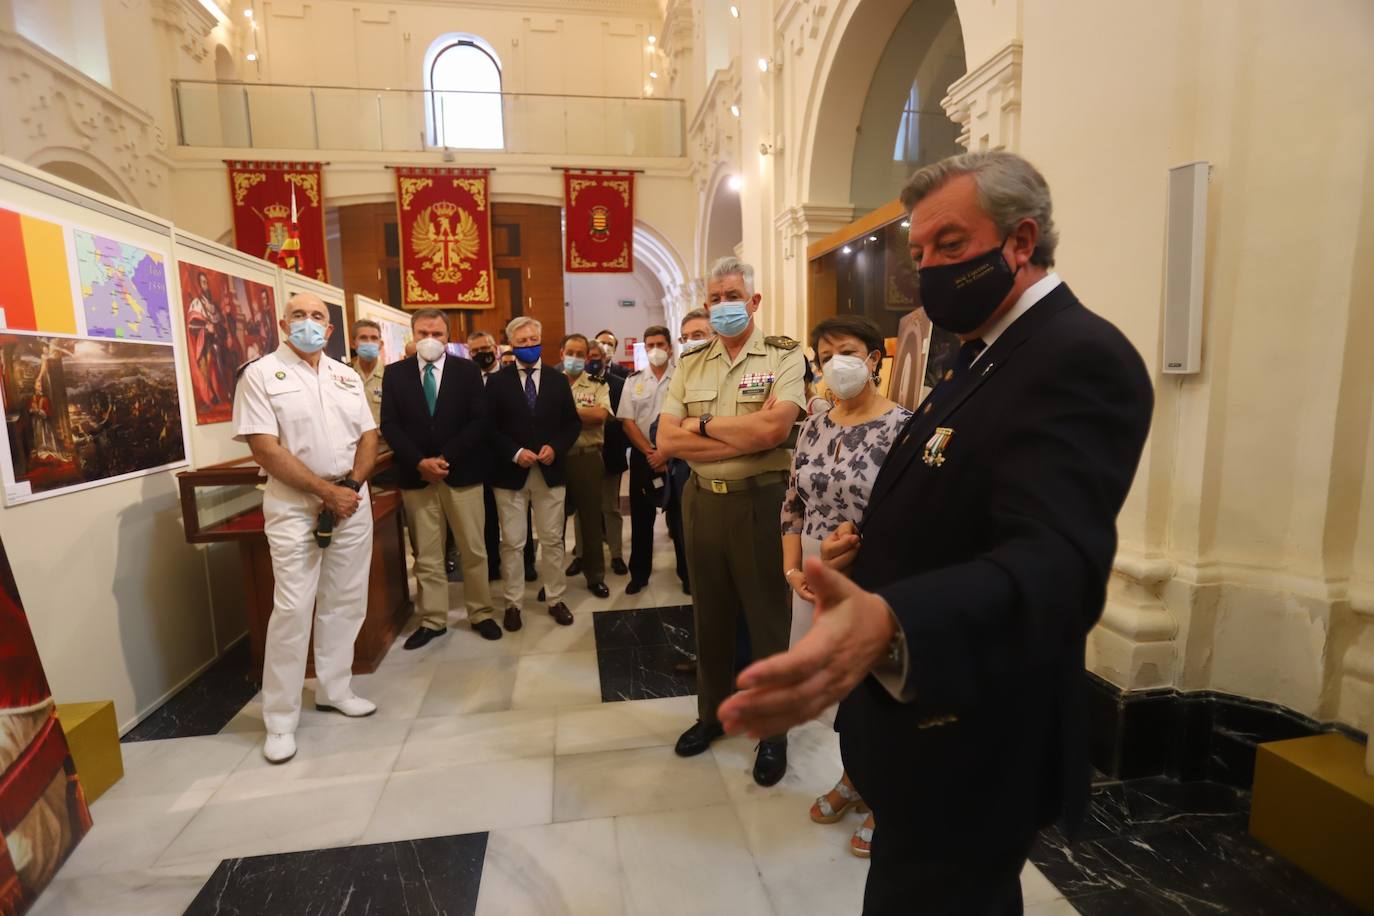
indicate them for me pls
(527, 248)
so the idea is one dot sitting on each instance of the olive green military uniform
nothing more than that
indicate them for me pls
(731, 508)
(585, 470)
(372, 388)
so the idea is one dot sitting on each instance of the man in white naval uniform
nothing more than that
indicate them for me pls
(306, 418)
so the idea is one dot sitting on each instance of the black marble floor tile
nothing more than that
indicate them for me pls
(205, 705)
(658, 626)
(431, 877)
(1157, 846)
(643, 673)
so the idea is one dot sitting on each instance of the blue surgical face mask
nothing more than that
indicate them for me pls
(730, 318)
(573, 365)
(369, 351)
(307, 335)
(529, 355)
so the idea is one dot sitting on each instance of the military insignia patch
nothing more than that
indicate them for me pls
(281, 374)
(935, 448)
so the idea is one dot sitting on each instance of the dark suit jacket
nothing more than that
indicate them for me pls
(457, 431)
(996, 563)
(554, 421)
(615, 454)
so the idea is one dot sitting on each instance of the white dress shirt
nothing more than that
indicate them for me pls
(1033, 294)
(438, 370)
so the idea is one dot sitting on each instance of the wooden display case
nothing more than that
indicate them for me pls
(223, 502)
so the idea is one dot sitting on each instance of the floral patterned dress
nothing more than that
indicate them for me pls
(833, 470)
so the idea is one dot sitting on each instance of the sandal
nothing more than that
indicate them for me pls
(862, 841)
(824, 811)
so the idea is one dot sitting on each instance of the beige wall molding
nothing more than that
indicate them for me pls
(986, 102)
(1356, 700)
(189, 22)
(59, 113)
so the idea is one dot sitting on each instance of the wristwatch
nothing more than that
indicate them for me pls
(351, 484)
(701, 425)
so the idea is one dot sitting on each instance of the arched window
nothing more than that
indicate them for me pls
(463, 110)
(908, 147)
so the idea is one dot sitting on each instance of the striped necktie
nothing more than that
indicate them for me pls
(530, 392)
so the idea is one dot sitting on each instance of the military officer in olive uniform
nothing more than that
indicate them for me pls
(367, 362)
(585, 465)
(729, 411)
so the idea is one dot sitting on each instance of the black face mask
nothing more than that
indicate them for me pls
(484, 359)
(960, 298)
(594, 366)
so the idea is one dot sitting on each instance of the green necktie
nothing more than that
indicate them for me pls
(431, 388)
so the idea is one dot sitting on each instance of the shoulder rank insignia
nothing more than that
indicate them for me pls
(690, 353)
(782, 343)
(935, 448)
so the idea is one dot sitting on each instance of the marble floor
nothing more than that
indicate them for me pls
(530, 775)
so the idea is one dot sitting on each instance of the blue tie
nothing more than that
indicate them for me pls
(963, 360)
(530, 392)
(431, 388)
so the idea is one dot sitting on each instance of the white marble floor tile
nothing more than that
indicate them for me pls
(624, 725)
(146, 892)
(397, 691)
(547, 681)
(480, 738)
(552, 870)
(633, 781)
(132, 833)
(461, 642)
(178, 764)
(1036, 888)
(250, 816)
(806, 867)
(1060, 907)
(543, 635)
(469, 686)
(463, 799)
(689, 863)
(813, 765)
(346, 748)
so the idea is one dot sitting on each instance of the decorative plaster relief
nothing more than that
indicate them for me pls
(986, 102)
(189, 22)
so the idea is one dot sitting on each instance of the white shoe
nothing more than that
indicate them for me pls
(279, 748)
(352, 706)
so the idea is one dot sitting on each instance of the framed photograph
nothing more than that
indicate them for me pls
(229, 321)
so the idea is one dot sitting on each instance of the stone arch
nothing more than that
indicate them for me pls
(722, 222)
(83, 169)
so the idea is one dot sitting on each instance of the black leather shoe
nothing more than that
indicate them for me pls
(422, 636)
(618, 567)
(541, 594)
(698, 738)
(687, 588)
(599, 589)
(771, 763)
(488, 629)
(635, 587)
(530, 572)
(560, 614)
(574, 567)
(513, 619)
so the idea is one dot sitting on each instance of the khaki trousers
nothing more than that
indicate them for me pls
(432, 511)
(545, 505)
(612, 519)
(585, 470)
(734, 553)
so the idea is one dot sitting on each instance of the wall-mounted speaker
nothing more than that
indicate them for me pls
(1185, 247)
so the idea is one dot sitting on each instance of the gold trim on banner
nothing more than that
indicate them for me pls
(476, 187)
(417, 293)
(410, 187)
(577, 261)
(243, 181)
(481, 292)
(309, 182)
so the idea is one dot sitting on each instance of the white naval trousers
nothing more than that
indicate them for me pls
(328, 586)
(546, 507)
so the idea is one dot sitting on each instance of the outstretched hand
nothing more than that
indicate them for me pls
(850, 634)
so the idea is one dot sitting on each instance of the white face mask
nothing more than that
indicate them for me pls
(657, 358)
(847, 375)
(693, 345)
(430, 349)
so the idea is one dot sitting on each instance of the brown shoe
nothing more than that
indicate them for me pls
(512, 619)
(560, 613)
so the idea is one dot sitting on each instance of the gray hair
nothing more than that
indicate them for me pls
(729, 266)
(693, 315)
(1010, 189)
(421, 314)
(517, 323)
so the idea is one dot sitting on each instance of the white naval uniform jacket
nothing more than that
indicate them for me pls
(318, 415)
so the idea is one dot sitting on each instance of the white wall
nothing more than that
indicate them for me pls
(593, 304)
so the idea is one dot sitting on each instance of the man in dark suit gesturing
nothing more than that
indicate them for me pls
(534, 425)
(957, 639)
(433, 409)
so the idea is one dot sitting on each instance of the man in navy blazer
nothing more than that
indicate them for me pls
(534, 425)
(433, 408)
(957, 639)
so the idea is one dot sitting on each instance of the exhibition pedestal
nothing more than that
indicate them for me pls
(221, 493)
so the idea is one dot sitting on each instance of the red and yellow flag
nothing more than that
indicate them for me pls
(35, 285)
(445, 223)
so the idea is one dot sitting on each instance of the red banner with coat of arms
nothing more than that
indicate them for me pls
(600, 210)
(266, 226)
(445, 221)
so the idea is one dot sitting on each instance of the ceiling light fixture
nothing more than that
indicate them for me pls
(735, 182)
(906, 224)
(252, 56)
(873, 238)
(248, 12)
(846, 250)
(653, 39)
(734, 11)
(734, 110)
(764, 64)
